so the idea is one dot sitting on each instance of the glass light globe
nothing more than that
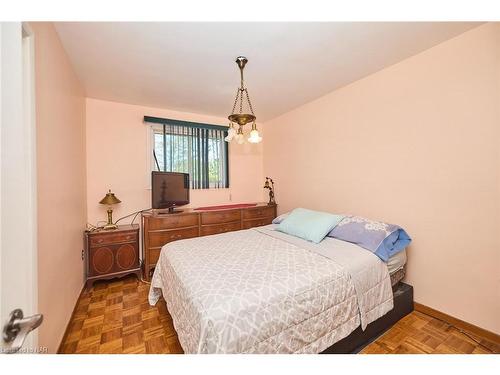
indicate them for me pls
(254, 136)
(240, 138)
(230, 134)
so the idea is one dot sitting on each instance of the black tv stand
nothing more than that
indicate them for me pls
(167, 211)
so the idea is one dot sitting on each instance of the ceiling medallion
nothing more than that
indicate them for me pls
(240, 119)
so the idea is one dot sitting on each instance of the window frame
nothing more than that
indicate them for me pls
(152, 121)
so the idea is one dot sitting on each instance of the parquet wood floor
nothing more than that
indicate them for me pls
(418, 333)
(115, 317)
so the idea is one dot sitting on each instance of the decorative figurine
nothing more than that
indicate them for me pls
(269, 184)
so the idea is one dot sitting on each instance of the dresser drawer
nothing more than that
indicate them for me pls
(109, 238)
(163, 237)
(220, 217)
(221, 228)
(257, 222)
(173, 221)
(255, 213)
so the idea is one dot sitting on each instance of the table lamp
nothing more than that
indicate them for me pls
(109, 200)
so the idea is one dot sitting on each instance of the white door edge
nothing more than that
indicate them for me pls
(29, 121)
(18, 214)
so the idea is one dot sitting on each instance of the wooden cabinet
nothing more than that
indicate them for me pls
(112, 253)
(159, 230)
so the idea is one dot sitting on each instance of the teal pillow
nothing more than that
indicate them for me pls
(310, 225)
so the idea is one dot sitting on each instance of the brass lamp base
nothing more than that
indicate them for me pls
(110, 225)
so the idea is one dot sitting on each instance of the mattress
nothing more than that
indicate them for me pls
(396, 262)
(397, 267)
(262, 291)
(397, 276)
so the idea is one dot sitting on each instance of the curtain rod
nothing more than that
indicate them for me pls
(167, 121)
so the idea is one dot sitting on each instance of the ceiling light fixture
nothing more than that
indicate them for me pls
(241, 119)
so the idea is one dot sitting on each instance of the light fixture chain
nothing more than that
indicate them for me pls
(249, 102)
(236, 100)
(241, 101)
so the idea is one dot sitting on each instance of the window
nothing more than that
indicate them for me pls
(194, 148)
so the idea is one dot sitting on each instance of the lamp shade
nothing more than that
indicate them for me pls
(110, 199)
(254, 136)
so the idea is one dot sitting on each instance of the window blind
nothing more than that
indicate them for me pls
(194, 148)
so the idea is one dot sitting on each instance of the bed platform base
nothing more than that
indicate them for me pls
(358, 339)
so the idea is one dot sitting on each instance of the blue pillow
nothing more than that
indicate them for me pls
(310, 225)
(382, 239)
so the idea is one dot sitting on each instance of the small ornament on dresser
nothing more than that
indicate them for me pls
(269, 184)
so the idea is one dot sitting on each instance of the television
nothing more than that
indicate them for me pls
(169, 190)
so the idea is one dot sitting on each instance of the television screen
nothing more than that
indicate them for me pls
(169, 189)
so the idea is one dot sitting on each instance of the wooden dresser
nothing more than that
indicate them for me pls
(159, 230)
(112, 253)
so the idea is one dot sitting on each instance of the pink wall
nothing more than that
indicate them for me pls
(118, 158)
(60, 128)
(415, 144)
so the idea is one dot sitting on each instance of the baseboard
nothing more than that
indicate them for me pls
(491, 336)
(70, 320)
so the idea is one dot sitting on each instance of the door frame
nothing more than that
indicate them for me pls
(18, 177)
(29, 122)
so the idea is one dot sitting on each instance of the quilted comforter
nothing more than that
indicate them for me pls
(262, 291)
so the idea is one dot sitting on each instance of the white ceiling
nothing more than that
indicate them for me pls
(190, 66)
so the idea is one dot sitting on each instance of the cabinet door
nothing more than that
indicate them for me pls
(101, 260)
(126, 257)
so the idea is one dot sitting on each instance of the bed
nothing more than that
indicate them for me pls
(263, 291)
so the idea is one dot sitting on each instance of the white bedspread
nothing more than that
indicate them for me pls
(261, 291)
